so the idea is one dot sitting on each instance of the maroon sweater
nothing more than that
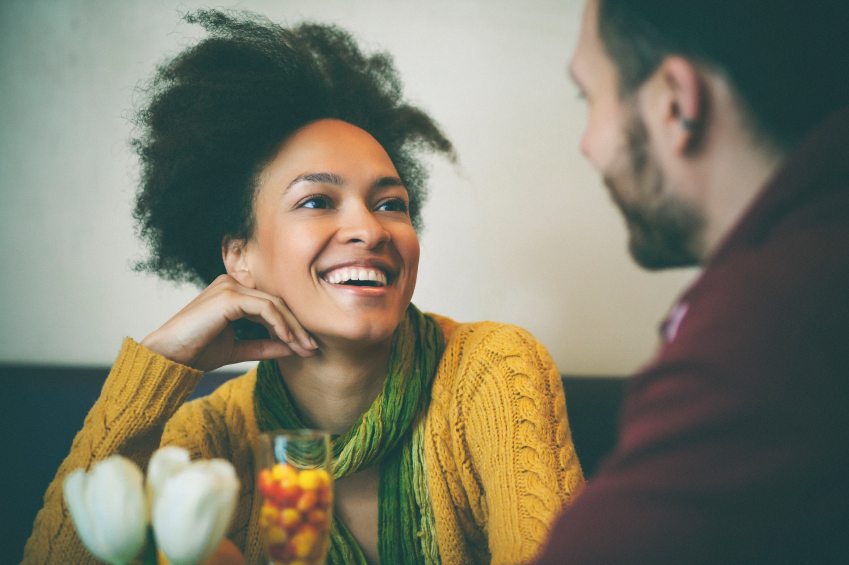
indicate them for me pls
(734, 441)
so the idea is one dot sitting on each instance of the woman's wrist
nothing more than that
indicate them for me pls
(165, 348)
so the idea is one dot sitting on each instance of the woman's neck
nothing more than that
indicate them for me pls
(333, 388)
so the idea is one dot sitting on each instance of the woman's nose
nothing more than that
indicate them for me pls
(360, 225)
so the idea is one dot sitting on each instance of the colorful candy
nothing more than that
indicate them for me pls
(296, 513)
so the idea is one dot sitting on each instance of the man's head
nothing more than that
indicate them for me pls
(663, 226)
(786, 60)
(692, 103)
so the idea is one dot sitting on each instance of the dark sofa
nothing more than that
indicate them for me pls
(43, 407)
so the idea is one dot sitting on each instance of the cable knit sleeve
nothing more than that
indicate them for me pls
(505, 446)
(140, 394)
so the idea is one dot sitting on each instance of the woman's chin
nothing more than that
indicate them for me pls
(354, 336)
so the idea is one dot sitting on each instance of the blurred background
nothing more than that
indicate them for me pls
(520, 231)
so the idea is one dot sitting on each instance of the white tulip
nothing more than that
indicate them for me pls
(108, 508)
(165, 462)
(192, 509)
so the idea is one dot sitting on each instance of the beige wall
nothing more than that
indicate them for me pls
(521, 231)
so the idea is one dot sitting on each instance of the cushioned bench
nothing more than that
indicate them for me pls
(43, 407)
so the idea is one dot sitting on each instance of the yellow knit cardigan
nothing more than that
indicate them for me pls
(499, 454)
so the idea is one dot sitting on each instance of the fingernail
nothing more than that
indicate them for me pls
(313, 343)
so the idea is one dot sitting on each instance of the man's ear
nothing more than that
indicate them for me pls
(681, 99)
(234, 252)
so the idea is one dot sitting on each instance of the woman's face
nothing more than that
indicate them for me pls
(333, 236)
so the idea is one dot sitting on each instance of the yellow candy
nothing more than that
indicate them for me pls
(309, 479)
(304, 541)
(268, 515)
(289, 518)
(323, 477)
(276, 535)
(284, 473)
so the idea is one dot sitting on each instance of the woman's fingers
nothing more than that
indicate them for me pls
(259, 350)
(294, 332)
(299, 333)
(292, 344)
(200, 333)
(258, 308)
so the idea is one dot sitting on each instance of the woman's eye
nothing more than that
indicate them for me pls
(393, 205)
(315, 203)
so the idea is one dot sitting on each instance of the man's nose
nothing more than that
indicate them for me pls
(585, 145)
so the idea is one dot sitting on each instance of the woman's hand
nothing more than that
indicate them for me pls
(200, 335)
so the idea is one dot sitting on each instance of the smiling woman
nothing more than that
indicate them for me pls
(330, 206)
(281, 172)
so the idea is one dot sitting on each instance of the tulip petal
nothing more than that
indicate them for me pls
(108, 508)
(73, 491)
(165, 462)
(193, 509)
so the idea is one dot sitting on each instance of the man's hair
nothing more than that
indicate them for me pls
(218, 112)
(786, 60)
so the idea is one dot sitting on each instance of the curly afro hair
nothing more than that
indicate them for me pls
(217, 113)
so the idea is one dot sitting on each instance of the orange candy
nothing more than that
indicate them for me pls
(325, 497)
(265, 482)
(318, 518)
(307, 501)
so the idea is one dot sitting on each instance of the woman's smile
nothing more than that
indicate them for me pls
(363, 278)
(366, 278)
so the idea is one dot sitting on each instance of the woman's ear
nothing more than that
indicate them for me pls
(234, 252)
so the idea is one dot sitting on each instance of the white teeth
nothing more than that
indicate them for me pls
(344, 274)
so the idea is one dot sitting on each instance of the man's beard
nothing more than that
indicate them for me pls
(664, 229)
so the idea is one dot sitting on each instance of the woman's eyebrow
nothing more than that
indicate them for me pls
(336, 180)
(385, 182)
(320, 178)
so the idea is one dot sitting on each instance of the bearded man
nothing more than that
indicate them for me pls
(721, 130)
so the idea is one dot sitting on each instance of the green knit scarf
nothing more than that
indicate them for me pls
(389, 434)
